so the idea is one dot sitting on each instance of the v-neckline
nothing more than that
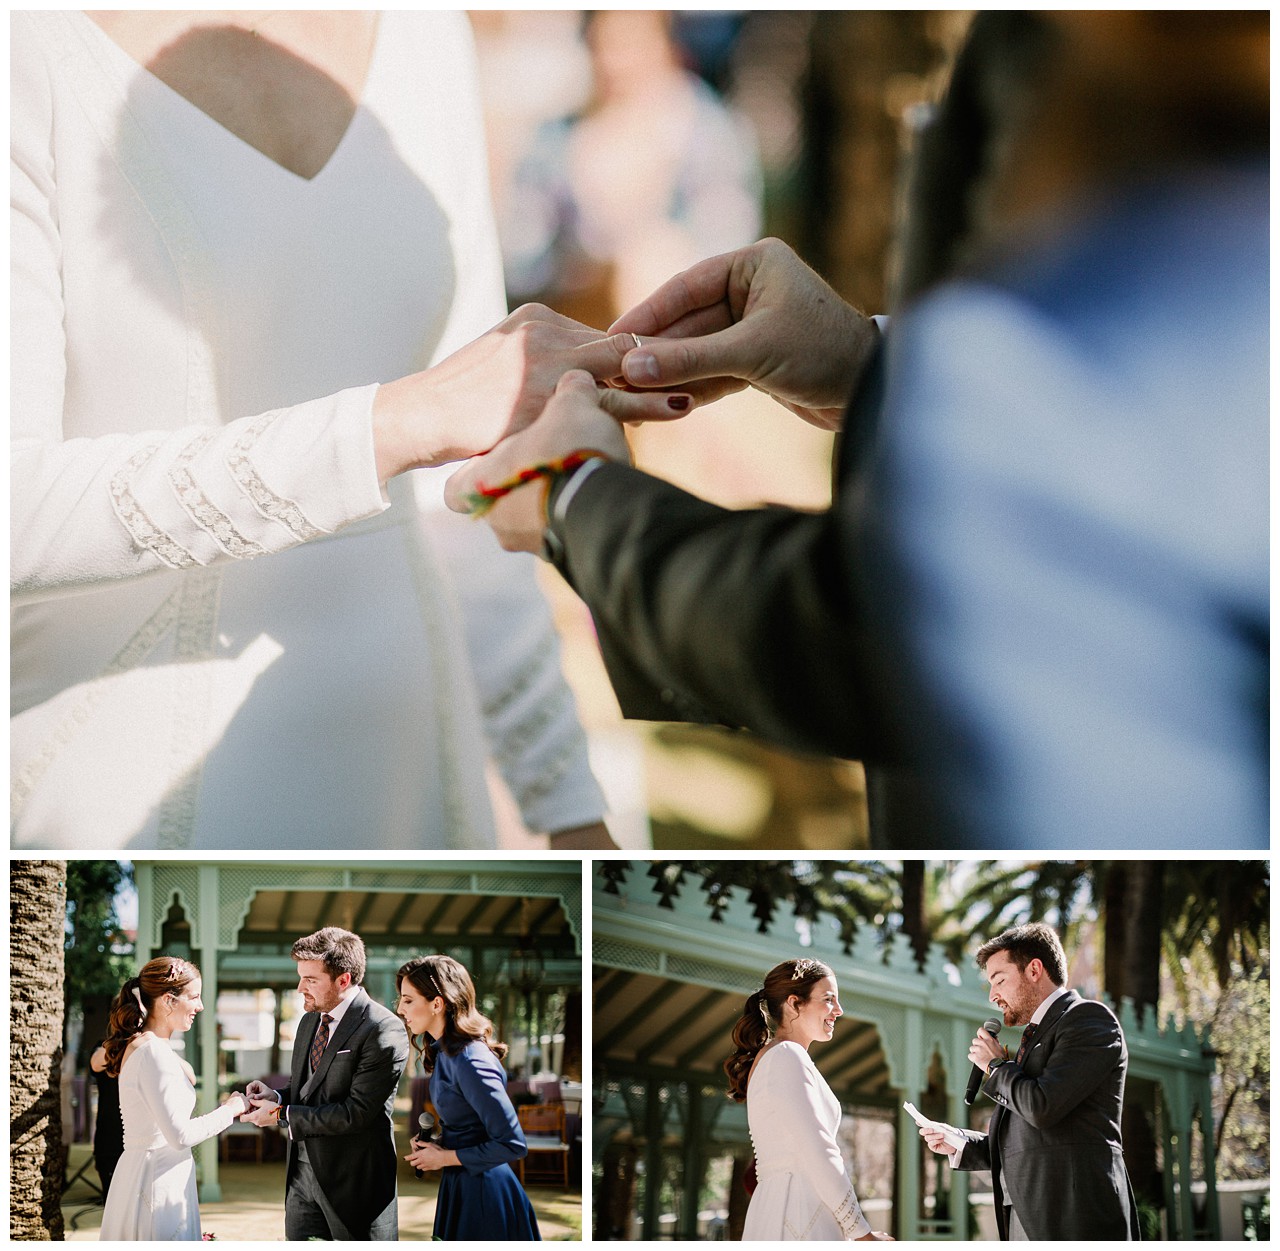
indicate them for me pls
(136, 67)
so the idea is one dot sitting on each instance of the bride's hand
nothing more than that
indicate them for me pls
(579, 418)
(242, 1099)
(491, 388)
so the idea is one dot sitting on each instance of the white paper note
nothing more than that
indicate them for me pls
(953, 1137)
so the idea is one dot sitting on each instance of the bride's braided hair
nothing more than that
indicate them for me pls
(165, 975)
(752, 1032)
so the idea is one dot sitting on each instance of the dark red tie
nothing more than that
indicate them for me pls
(1025, 1045)
(320, 1041)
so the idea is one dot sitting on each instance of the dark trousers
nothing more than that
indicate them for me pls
(309, 1214)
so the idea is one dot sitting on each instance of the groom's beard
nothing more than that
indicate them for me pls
(313, 1003)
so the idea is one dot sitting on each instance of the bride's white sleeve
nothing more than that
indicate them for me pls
(802, 1095)
(88, 511)
(530, 717)
(168, 1093)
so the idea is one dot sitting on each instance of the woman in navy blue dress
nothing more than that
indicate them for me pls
(480, 1197)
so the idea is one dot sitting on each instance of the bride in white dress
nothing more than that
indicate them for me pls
(803, 1192)
(152, 1197)
(254, 276)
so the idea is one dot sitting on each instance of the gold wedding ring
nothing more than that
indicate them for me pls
(636, 337)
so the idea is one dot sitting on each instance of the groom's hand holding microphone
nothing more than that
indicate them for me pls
(983, 1052)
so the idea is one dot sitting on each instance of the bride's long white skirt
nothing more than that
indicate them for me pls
(152, 1197)
(786, 1208)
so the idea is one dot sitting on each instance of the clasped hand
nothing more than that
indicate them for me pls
(265, 1113)
(758, 317)
(262, 1103)
(490, 389)
(429, 1156)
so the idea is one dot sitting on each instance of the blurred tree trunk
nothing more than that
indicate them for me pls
(37, 916)
(1144, 922)
(867, 69)
(1133, 900)
(915, 912)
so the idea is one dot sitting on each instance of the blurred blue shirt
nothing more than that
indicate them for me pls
(1074, 481)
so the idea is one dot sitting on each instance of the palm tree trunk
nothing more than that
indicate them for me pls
(1144, 924)
(1134, 927)
(867, 68)
(915, 919)
(1115, 955)
(37, 914)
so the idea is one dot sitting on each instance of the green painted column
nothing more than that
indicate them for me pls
(1166, 1143)
(205, 936)
(694, 1162)
(144, 880)
(908, 1137)
(653, 1126)
(1186, 1211)
(957, 1077)
(1213, 1216)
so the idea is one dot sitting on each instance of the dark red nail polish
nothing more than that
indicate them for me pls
(678, 402)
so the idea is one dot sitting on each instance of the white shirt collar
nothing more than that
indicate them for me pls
(1038, 1015)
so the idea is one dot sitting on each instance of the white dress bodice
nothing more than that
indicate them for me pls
(803, 1191)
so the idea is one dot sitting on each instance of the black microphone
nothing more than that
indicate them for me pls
(426, 1132)
(992, 1026)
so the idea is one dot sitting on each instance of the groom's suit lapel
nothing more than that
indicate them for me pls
(301, 1046)
(350, 1022)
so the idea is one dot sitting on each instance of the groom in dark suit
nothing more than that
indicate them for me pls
(1053, 1145)
(348, 1055)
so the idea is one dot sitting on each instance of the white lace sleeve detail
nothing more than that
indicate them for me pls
(848, 1214)
(201, 509)
(92, 511)
(146, 535)
(266, 501)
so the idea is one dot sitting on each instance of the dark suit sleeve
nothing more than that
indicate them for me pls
(747, 618)
(480, 1082)
(1087, 1049)
(976, 1153)
(380, 1057)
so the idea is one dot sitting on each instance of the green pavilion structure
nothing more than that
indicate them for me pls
(516, 926)
(670, 1149)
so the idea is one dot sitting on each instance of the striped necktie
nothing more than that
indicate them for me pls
(320, 1041)
(1025, 1045)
